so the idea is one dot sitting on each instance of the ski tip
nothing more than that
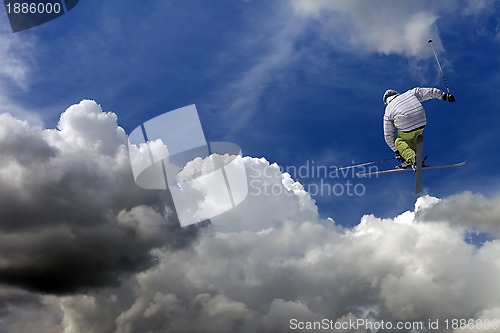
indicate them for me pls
(460, 163)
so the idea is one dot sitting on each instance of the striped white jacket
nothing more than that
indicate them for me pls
(406, 113)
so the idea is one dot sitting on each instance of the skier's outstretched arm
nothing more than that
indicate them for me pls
(424, 94)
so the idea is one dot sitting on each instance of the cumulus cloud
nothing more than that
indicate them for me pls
(467, 209)
(396, 270)
(71, 215)
(21, 311)
(72, 220)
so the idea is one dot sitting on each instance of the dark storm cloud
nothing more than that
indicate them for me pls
(14, 298)
(96, 232)
(71, 215)
(63, 261)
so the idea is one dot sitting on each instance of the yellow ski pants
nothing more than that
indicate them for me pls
(406, 143)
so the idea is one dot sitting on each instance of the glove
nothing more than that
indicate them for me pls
(398, 156)
(449, 97)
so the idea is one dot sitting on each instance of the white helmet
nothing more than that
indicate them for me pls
(388, 93)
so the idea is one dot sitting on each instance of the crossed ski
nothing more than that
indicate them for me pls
(419, 166)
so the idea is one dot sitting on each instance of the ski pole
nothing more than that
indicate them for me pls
(363, 164)
(439, 65)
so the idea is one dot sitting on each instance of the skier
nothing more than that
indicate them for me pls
(405, 113)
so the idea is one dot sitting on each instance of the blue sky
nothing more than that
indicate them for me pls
(299, 83)
(288, 83)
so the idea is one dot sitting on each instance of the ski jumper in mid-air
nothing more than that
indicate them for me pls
(405, 113)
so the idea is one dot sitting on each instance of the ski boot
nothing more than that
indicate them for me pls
(412, 164)
(408, 164)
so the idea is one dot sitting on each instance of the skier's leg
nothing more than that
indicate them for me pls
(413, 142)
(406, 143)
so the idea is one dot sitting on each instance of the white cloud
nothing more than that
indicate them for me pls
(467, 209)
(387, 27)
(86, 127)
(246, 281)
(271, 259)
(15, 54)
(268, 188)
(478, 7)
(68, 204)
(401, 269)
(16, 68)
(271, 42)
